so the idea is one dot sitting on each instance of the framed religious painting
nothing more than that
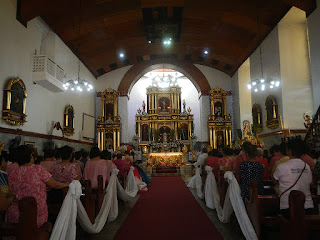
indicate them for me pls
(257, 117)
(68, 126)
(272, 112)
(14, 102)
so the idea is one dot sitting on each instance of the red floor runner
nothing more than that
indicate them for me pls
(167, 210)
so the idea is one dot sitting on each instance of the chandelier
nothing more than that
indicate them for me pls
(78, 84)
(262, 83)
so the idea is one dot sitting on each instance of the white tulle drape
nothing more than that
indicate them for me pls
(65, 226)
(196, 182)
(233, 200)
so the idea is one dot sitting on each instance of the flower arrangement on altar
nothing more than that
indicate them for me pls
(179, 142)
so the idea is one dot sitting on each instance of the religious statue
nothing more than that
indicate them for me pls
(165, 138)
(143, 107)
(184, 105)
(307, 119)
(164, 105)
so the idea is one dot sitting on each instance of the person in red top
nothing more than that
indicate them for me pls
(242, 156)
(226, 162)
(264, 162)
(277, 155)
(213, 161)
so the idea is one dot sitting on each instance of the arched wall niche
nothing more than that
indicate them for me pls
(189, 70)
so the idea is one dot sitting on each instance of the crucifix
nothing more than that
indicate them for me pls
(164, 104)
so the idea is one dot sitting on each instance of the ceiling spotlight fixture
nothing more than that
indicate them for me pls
(149, 41)
(167, 41)
(121, 55)
(205, 52)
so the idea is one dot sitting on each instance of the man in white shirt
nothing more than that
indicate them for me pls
(294, 175)
(110, 150)
(138, 154)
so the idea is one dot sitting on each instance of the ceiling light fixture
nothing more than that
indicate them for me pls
(78, 84)
(121, 55)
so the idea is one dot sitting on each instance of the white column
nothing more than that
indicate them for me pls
(123, 114)
(204, 115)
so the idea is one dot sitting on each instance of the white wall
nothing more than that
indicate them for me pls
(295, 69)
(314, 38)
(17, 47)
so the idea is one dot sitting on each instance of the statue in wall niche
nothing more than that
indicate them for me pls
(143, 107)
(307, 119)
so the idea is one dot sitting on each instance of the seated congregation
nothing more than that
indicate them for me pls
(273, 196)
(33, 187)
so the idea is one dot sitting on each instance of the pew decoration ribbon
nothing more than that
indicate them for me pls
(233, 200)
(65, 226)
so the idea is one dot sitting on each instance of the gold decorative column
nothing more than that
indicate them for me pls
(108, 126)
(219, 122)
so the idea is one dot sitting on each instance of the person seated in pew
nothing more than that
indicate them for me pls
(6, 196)
(121, 164)
(251, 169)
(285, 157)
(264, 162)
(277, 154)
(143, 175)
(242, 156)
(213, 161)
(225, 163)
(84, 157)
(29, 180)
(76, 159)
(48, 161)
(95, 167)
(65, 171)
(106, 155)
(294, 174)
(57, 156)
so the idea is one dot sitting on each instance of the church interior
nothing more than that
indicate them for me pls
(160, 119)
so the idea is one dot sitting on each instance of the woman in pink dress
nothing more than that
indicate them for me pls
(65, 171)
(106, 155)
(30, 180)
(95, 167)
(48, 161)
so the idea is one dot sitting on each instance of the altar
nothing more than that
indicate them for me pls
(166, 162)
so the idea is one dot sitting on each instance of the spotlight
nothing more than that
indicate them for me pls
(249, 86)
(277, 83)
(121, 55)
(149, 41)
(254, 83)
(206, 52)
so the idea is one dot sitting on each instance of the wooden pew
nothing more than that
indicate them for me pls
(99, 193)
(299, 224)
(55, 199)
(123, 179)
(88, 200)
(262, 211)
(222, 186)
(26, 228)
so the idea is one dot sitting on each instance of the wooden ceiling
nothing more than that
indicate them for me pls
(97, 30)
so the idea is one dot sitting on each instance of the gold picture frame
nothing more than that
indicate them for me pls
(31, 144)
(14, 104)
(257, 117)
(271, 107)
(68, 125)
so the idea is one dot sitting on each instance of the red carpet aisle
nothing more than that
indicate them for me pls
(167, 211)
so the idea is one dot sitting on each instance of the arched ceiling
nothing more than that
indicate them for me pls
(97, 30)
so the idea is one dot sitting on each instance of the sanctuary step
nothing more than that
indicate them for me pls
(166, 171)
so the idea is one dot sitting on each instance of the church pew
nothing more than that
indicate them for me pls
(299, 226)
(262, 210)
(55, 199)
(88, 200)
(26, 228)
(99, 193)
(123, 179)
(222, 186)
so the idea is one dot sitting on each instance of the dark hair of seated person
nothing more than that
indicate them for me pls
(94, 152)
(38, 160)
(252, 151)
(297, 147)
(77, 155)
(22, 154)
(57, 153)
(246, 145)
(204, 150)
(227, 151)
(105, 154)
(66, 152)
(84, 153)
(214, 153)
(48, 153)
(119, 156)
